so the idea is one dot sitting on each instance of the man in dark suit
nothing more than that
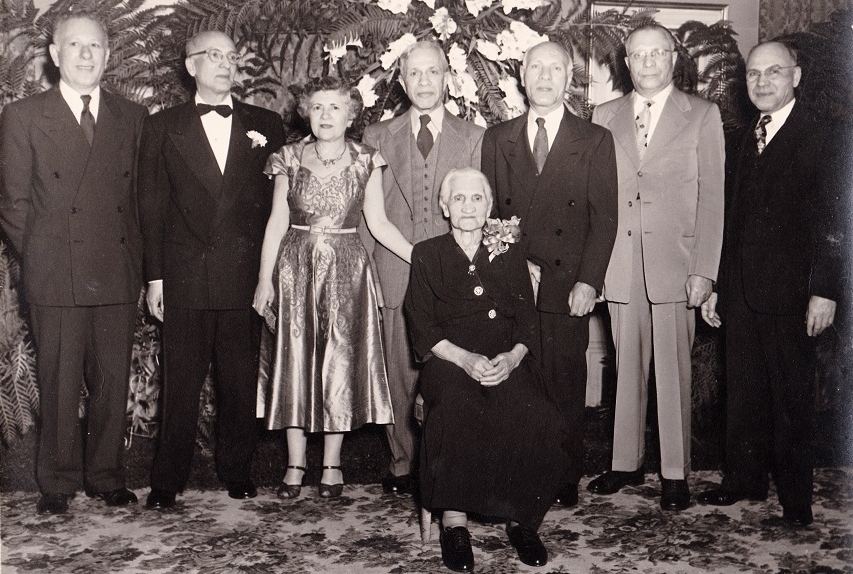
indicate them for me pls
(558, 174)
(669, 150)
(68, 204)
(204, 201)
(779, 283)
(421, 147)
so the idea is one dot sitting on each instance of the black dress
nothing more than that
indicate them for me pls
(494, 451)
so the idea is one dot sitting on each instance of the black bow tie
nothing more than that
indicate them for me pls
(221, 109)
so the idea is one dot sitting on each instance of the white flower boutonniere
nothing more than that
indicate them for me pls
(258, 139)
(499, 233)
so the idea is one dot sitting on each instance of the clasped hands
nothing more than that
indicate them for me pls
(489, 372)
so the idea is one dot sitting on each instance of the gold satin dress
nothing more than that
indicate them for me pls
(325, 365)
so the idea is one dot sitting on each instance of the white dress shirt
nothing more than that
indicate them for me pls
(72, 98)
(218, 131)
(436, 119)
(655, 110)
(777, 120)
(552, 125)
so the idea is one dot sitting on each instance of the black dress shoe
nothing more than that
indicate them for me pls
(612, 481)
(118, 497)
(797, 516)
(242, 489)
(52, 503)
(526, 542)
(720, 497)
(160, 499)
(567, 496)
(456, 550)
(404, 484)
(675, 495)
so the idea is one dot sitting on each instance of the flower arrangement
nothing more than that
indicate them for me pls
(499, 233)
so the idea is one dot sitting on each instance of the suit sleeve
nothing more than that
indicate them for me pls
(603, 213)
(16, 168)
(153, 192)
(708, 242)
(487, 166)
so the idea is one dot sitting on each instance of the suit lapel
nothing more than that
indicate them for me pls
(191, 142)
(671, 122)
(516, 150)
(400, 155)
(110, 136)
(239, 157)
(451, 146)
(624, 130)
(64, 131)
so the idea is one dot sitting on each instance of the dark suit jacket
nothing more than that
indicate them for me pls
(203, 230)
(568, 212)
(458, 147)
(786, 233)
(69, 210)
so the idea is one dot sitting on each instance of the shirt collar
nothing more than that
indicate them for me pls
(72, 98)
(659, 98)
(227, 101)
(552, 118)
(779, 116)
(436, 119)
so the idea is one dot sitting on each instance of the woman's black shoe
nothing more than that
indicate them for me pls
(287, 491)
(456, 550)
(331, 490)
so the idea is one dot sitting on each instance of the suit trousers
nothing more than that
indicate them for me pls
(769, 402)
(192, 339)
(564, 342)
(403, 382)
(76, 344)
(643, 331)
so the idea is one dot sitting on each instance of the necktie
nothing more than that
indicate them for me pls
(540, 144)
(221, 109)
(761, 133)
(425, 136)
(643, 120)
(87, 120)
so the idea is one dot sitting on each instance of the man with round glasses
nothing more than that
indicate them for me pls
(780, 279)
(670, 156)
(204, 202)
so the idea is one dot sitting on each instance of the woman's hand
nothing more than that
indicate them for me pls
(502, 365)
(474, 364)
(264, 296)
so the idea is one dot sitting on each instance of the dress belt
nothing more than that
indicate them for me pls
(316, 229)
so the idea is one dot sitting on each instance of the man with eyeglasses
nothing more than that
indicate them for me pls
(779, 280)
(68, 205)
(204, 202)
(670, 158)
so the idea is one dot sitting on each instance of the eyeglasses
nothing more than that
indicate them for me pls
(656, 55)
(772, 73)
(215, 55)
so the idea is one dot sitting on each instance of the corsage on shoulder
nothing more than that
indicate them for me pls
(499, 233)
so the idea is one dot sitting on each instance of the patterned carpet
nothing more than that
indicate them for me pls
(367, 531)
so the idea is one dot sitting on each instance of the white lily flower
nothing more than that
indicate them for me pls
(396, 48)
(430, 3)
(477, 6)
(489, 49)
(443, 24)
(365, 88)
(513, 98)
(394, 6)
(457, 59)
(339, 49)
(452, 107)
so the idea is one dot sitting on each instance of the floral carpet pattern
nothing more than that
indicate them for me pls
(368, 531)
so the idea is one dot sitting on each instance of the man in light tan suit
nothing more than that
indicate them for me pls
(421, 146)
(669, 155)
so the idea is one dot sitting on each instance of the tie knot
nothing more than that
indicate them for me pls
(649, 103)
(425, 119)
(86, 99)
(540, 122)
(765, 119)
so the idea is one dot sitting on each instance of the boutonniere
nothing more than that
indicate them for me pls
(499, 233)
(258, 139)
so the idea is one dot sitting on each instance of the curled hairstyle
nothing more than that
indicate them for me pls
(454, 174)
(328, 84)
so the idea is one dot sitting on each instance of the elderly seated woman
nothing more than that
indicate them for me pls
(491, 438)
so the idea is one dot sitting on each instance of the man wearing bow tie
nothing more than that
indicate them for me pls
(67, 203)
(204, 202)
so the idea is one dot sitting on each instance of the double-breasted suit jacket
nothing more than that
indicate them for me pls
(70, 210)
(680, 183)
(568, 212)
(568, 223)
(458, 147)
(203, 231)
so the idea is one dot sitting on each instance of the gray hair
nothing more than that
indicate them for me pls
(454, 174)
(420, 44)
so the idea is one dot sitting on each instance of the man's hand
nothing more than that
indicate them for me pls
(581, 299)
(154, 299)
(820, 315)
(709, 311)
(698, 290)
